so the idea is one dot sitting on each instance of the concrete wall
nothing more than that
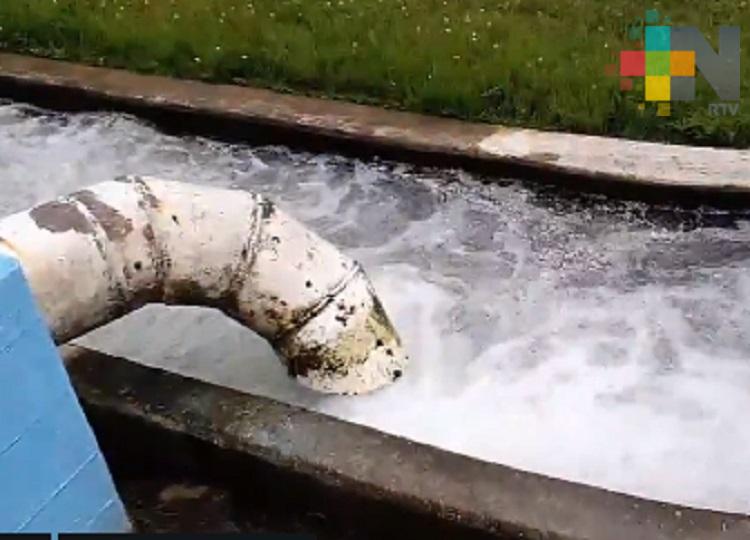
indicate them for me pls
(53, 477)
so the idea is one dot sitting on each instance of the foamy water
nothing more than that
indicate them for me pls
(607, 344)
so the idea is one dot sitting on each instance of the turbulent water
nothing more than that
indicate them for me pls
(599, 342)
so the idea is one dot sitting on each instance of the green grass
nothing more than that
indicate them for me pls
(537, 63)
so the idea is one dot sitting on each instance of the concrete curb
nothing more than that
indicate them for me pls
(359, 479)
(626, 168)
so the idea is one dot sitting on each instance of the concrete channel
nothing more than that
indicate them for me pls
(247, 462)
(195, 456)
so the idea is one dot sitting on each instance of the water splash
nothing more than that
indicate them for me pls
(582, 338)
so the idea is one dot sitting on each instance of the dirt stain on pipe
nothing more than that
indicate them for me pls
(267, 209)
(114, 224)
(61, 217)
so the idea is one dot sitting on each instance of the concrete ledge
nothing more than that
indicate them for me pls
(359, 480)
(626, 168)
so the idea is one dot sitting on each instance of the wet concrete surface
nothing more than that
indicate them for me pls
(169, 505)
(203, 457)
(160, 506)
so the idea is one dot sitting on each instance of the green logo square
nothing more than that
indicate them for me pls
(657, 62)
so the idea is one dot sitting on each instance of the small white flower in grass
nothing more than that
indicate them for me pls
(244, 57)
(197, 60)
(218, 48)
(447, 30)
(495, 45)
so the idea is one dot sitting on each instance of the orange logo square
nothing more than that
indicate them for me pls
(682, 64)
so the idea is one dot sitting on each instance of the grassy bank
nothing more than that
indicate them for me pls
(536, 63)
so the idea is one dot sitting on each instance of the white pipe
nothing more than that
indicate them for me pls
(102, 252)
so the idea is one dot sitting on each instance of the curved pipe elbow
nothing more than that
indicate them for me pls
(100, 253)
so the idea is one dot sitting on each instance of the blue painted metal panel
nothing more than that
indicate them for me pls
(53, 477)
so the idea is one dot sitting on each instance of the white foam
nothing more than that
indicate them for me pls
(582, 341)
